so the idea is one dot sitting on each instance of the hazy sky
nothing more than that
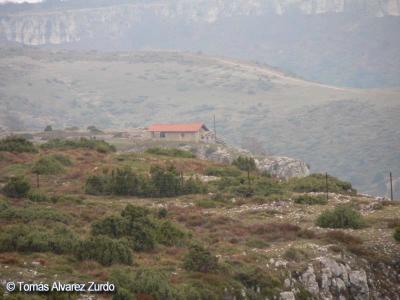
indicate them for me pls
(20, 1)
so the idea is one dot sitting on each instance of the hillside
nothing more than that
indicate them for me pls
(345, 42)
(350, 133)
(94, 218)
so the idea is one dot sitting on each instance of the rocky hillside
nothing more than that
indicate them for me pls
(346, 42)
(105, 216)
(257, 107)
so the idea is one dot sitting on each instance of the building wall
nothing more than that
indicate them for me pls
(184, 136)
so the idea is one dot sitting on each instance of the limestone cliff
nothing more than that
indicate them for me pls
(58, 26)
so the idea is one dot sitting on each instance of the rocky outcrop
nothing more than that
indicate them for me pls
(283, 167)
(70, 25)
(337, 278)
(279, 166)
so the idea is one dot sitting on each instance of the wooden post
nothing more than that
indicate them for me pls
(215, 130)
(391, 187)
(326, 185)
(37, 180)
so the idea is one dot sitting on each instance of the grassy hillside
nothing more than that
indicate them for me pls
(348, 132)
(206, 244)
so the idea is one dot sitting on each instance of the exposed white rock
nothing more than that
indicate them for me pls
(287, 296)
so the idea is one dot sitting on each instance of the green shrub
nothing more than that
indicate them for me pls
(310, 199)
(245, 163)
(16, 187)
(122, 294)
(396, 234)
(125, 182)
(96, 185)
(171, 152)
(163, 182)
(38, 196)
(16, 144)
(343, 216)
(317, 183)
(113, 226)
(98, 145)
(193, 186)
(223, 171)
(265, 186)
(168, 234)
(162, 213)
(3, 205)
(30, 214)
(198, 290)
(134, 224)
(25, 238)
(104, 250)
(256, 279)
(47, 165)
(199, 259)
(154, 284)
(166, 181)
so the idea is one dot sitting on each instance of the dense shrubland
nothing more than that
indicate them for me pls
(17, 144)
(162, 182)
(140, 228)
(98, 145)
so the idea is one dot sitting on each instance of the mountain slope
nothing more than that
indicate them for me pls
(344, 42)
(350, 133)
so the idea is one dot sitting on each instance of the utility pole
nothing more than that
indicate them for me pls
(391, 187)
(326, 185)
(215, 130)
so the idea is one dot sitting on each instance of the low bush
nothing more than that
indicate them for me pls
(168, 234)
(245, 163)
(37, 239)
(38, 196)
(396, 234)
(223, 171)
(16, 144)
(16, 187)
(98, 145)
(317, 183)
(47, 165)
(343, 216)
(259, 282)
(198, 259)
(162, 213)
(171, 152)
(31, 213)
(310, 199)
(104, 250)
(153, 284)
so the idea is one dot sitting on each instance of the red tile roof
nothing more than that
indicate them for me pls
(192, 127)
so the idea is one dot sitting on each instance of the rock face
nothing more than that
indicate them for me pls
(279, 166)
(71, 25)
(332, 278)
(283, 167)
